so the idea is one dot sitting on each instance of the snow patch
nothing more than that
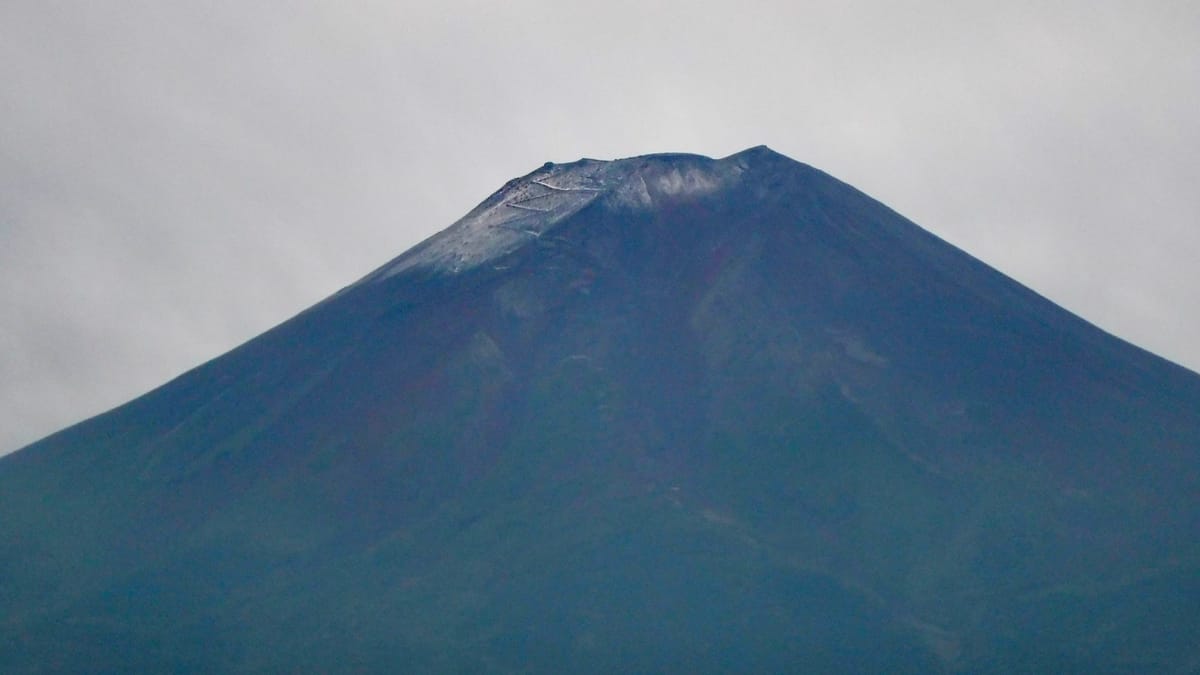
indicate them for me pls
(527, 208)
(633, 193)
(687, 182)
(522, 211)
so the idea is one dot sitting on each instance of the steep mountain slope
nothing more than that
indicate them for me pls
(664, 413)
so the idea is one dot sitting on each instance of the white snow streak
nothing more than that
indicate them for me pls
(531, 206)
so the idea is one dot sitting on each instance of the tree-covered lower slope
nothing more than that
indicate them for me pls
(685, 415)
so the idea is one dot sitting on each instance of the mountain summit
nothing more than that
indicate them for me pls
(658, 414)
(530, 206)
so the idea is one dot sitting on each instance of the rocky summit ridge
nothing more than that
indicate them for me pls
(530, 206)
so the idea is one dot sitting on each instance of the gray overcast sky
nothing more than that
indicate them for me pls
(178, 177)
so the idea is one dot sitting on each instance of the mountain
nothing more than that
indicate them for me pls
(659, 414)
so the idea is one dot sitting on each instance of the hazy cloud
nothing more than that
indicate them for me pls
(177, 177)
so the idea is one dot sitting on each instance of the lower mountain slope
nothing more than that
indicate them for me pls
(659, 414)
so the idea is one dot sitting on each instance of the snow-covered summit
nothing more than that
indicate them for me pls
(530, 206)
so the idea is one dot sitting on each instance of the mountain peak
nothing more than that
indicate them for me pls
(528, 207)
(757, 153)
